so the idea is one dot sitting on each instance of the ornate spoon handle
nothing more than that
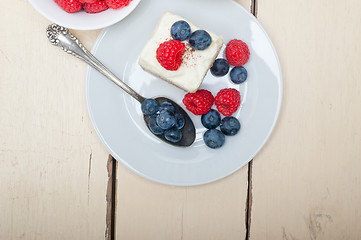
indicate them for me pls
(60, 36)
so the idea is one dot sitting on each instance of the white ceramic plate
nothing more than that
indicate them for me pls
(117, 117)
(81, 20)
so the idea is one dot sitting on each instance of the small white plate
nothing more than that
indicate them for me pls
(82, 20)
(117, 117)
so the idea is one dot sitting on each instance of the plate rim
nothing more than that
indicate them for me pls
(260, 147)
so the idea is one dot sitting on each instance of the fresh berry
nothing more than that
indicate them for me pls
(200, 40)
(228, 101)
(238, 75)
(214, 138)
(199, 102)
(166, 119)
(88, 1)
(180, 30)
(237, 52)
(170, 53)
(69, 6)
(115, 4)
(149, 106)
(173, 135)
(153, 126)
(230, 126)
(96, 7)
(211, 120)
(220, 67)
(180, 121)
(167, 106)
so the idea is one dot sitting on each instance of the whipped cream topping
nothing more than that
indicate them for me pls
(195, 63)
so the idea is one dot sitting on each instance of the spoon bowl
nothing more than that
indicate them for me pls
(188, 131)
(61, 37)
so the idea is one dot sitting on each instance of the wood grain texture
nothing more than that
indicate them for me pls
(53, 168)
(147, 210)
(306, 181)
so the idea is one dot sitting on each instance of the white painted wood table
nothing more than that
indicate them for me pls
(57, 181)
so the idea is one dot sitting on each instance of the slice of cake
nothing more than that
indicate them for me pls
(194, 64)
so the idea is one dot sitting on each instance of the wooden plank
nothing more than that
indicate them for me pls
(147, 210)
(53, 168)
(247, 4)
(306, 181)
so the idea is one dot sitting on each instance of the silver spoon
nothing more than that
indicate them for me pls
(60, 36)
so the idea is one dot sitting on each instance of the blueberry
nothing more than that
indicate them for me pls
(167, 106)
(214, 138)
(153, 126)
(173, 135)
(200, 40)
(211, 120)
(180, 30)
(220, 67)
(230, 126)
(166, 119)
(180, 121)
(149, 106)
(238, 75)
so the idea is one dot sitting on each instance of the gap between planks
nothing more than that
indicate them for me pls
(254, 7)
(112, 166)
(249, 201)
(254, 11)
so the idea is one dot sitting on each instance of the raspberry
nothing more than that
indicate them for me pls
(98, 6)
(199, 102)
(228, 101)
(237, 52)
(88, 1)
(69, 6)
(115, 4)
(169, 54)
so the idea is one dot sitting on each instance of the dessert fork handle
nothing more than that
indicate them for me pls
(61, 37)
